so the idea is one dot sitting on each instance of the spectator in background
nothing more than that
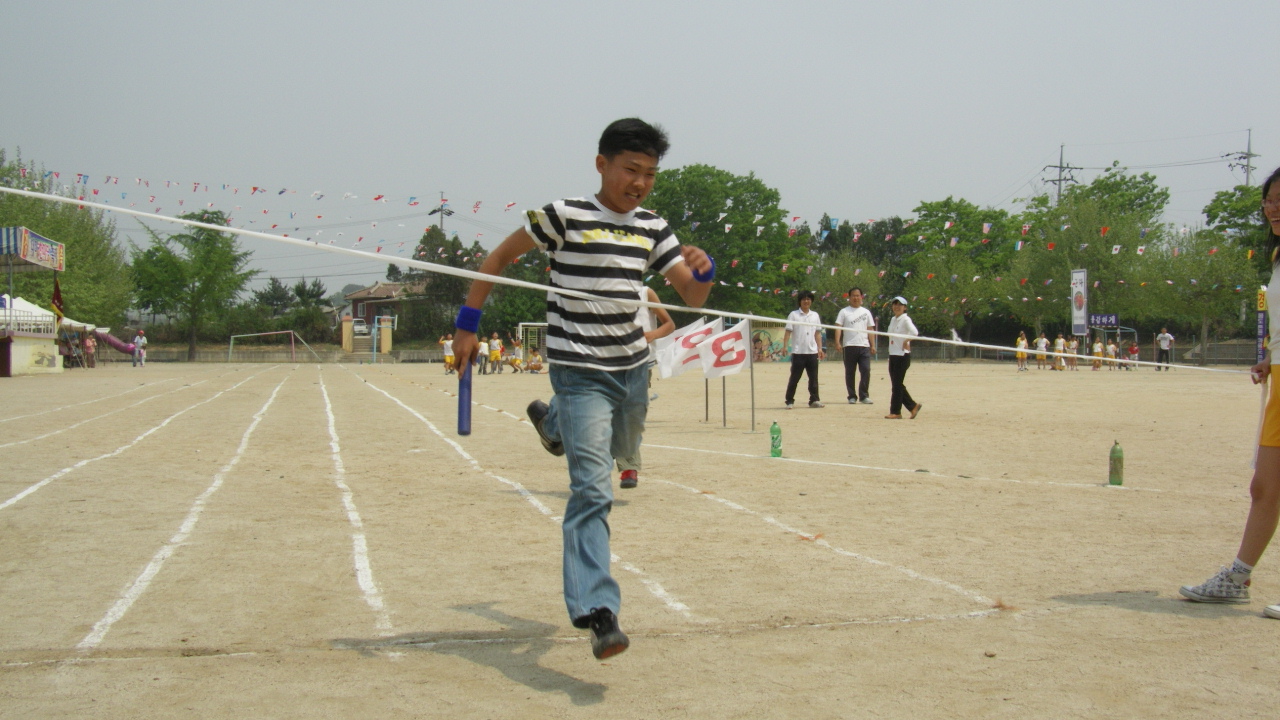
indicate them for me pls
(140, 349)
(1164, 348)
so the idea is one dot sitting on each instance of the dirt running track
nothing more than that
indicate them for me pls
(245, 541)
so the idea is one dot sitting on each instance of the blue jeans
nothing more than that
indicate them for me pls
(598, 415)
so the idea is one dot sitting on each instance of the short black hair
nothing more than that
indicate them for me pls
(635, 135)
(802, 295)
(1273, 241)
(855, 287)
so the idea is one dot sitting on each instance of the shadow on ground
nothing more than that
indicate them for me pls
(1153, 602)
(514, 651)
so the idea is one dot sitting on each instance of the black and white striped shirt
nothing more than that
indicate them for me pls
(596, 250)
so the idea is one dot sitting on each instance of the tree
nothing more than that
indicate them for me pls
(276, 296)
(394, 273)
(96, 286)
(755, 251)
(194, 275)
(435, 297)
(1237, 213)
(1118, 193)
(309, 294)
(1198, 279)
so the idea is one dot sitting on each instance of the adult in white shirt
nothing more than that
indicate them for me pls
(1164, 348)
(854, 322)
(806, 350)
(900, 360)
(1231, 584)
(482, 356)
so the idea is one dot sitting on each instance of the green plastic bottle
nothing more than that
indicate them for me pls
(1117, 464)
(775, 440)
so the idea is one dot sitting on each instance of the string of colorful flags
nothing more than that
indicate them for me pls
(101, 188)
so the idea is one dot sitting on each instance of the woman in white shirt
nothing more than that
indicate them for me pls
(1231, 584)
(900, 360)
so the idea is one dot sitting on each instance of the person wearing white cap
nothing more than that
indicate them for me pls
(900, 360)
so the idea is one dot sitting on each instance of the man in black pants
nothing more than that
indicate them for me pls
(854, 322)
(807, 349)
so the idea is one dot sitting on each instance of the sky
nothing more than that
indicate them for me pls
(854, 109)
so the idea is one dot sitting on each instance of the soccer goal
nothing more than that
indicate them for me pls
(532, 336)
(293, 339)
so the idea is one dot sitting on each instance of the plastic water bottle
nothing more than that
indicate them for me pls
(1117, 464)
(775, 440)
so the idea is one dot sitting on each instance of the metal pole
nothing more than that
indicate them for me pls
(706, 399)
(753, 394)
(293, 357)
(724, 406)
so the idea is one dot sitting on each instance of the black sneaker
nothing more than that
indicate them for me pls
(607, 639)
(537, 412)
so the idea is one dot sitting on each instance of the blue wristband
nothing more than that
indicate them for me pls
(468, 319)
(709, 275)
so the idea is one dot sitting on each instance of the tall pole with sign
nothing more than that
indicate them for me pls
(1080, 302)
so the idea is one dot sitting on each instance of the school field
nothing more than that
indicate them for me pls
(301, 540)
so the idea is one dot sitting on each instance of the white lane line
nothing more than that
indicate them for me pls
(928, 473)
(817, 540)
(140, 584)
(86, 402)
(122, 448)
(654, 587)
(360, 546)
(99, 417)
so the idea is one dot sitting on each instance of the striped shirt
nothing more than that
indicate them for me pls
(596, 250)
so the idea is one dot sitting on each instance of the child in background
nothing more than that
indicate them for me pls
(1042, 345)
(535, 362)
(446, 345)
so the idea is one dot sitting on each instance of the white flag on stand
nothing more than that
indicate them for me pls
(682, 352)
(728, 352)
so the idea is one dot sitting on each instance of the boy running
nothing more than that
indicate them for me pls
(602, 244)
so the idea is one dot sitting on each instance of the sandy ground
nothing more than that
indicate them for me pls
(316, 541)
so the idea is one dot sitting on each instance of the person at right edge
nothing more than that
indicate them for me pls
(1231, 584)
(900, 360)
(603, 244)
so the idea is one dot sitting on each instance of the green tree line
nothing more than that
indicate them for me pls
(982, 272)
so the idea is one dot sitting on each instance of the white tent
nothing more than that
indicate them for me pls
(24, 306)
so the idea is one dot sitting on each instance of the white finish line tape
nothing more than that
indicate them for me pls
(501, 280)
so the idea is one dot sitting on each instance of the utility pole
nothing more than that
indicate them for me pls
(1062, 168)
(442, 211)
(1245, 160)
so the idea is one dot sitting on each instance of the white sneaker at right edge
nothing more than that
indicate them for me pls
(1272, 611)
(1225, 587)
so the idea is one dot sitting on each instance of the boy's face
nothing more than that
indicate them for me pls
(805, 304)
(625, 179)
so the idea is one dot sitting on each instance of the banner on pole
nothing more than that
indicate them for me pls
(1079, 302)
(727, 353)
